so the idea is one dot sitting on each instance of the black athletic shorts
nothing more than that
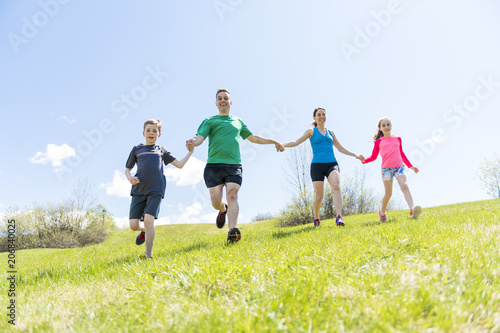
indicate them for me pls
(221, 173)
(321, 170)
(144, 204)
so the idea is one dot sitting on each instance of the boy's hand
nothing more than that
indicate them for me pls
(279, 147)
(190, 145)
(134, 181)
(415, 169)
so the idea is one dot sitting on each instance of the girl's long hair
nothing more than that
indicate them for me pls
(314, 123)
(379, 133)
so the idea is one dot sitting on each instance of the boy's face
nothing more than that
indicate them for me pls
(223, 102)
(151, 133)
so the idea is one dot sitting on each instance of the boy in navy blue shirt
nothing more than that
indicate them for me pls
(148, 184)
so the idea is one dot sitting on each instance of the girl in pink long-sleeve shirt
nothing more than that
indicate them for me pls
(393, 161)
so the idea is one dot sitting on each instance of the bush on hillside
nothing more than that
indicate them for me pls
(295, 213)
(58, 226)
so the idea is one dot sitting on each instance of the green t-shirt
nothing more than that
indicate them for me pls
(223, 138)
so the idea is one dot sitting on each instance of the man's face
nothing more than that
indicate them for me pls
(223, 102)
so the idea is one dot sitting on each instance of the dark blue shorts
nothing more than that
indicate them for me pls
(321, 170)
(144, 204)
(220, 173)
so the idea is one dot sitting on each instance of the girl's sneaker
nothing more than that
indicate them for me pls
(339, 221)
(415, 212)
(382, 217)
(317, 222)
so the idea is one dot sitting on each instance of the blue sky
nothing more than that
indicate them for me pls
(80, 78)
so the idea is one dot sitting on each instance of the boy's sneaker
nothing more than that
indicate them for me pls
(415, 212)
(234, 235)
(144, 257)
(382, 217)
(221, 219)
(339, 221)
(317, 222)
(141, 238)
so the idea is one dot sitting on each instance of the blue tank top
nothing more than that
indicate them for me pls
(322, 146)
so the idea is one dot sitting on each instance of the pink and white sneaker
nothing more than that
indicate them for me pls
(382, 217)
(416, 212)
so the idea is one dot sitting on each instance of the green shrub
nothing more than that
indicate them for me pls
(295, 214)
(58, 226)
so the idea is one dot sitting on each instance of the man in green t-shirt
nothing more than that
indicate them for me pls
(224, 161)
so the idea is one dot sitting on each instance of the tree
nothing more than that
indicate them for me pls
(298, 162)
(489, 176)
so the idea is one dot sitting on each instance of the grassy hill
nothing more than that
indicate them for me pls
(440, 274)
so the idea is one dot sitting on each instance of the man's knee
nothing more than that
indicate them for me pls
(134, 224)
(336, 187)
(232, 194)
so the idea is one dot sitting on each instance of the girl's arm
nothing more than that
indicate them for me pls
(375, 152)
(405, 159)
(180, 164)
(307, 135)
(343, 150)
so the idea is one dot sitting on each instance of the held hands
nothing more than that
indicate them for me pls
(415, 169)
(190, 145)
(361, 158)
(279, 147)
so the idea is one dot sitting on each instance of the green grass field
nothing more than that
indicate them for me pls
(438, 274)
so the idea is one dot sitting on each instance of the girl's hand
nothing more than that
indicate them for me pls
(361, 158)
(415, 169)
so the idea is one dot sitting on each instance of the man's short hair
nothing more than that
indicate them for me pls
(221, 90)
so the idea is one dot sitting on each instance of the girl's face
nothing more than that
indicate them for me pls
(386, 127)
(320, 116)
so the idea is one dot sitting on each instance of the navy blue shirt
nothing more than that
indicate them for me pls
(149, 159)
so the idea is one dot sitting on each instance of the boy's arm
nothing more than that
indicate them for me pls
(264, 141)
(130, 178)
(179, 164)
(307, 134)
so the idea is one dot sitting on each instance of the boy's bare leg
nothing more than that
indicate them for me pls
(149, 229)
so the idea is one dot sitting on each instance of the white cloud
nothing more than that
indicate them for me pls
(55, 155)
(190, 175)
(119, 187)
(69, 121)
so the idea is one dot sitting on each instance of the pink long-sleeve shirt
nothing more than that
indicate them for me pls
(391, 150)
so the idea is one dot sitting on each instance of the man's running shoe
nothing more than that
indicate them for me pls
(339, 221)
(317, 222)
(221, 219)
(234, 235)
(144, 257)
(416, 212)
(382, 217)
(141, 238)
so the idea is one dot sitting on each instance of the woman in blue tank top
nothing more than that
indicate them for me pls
(324, 164)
